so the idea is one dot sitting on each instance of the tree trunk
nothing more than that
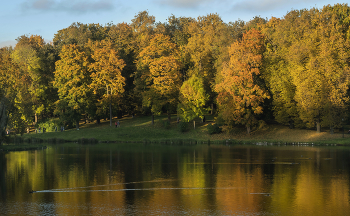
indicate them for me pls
(331, 130)
(194, 124)
(212, 109)
(77, 124)
(110, 113)
(152, 119)
(35, 119)
(318, 126)
(248, 129)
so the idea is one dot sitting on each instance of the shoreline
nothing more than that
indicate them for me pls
(35, 146)
(141, 130)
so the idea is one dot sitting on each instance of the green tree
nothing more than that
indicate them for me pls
(193, 99)
(206, 49)
(14, 95)
(37, 61)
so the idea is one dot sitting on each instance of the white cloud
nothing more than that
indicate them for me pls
(184, 3)
(79, 6)
(265, 5)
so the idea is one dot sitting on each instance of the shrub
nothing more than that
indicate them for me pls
(49, 125)
(214, 129)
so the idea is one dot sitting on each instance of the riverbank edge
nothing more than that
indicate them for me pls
(31, 147)
(27, 144)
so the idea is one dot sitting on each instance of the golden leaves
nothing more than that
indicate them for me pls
(238, 94)
(72, 77)
(161, 71)
(106, 68)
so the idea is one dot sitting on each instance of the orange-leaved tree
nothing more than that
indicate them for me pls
(240, 98)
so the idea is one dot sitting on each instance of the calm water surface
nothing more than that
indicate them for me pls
(136, 179)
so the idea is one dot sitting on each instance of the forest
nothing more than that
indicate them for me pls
(292, 70)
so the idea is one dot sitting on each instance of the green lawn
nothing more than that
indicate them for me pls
(140, 128)
(131, 129)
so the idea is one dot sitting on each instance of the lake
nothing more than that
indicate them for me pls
(137, 179)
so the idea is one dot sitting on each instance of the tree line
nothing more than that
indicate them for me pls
(293, 70)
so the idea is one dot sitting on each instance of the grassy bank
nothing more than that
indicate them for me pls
(22, 147)
(140, 129)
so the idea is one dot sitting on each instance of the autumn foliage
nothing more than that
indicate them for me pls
(239, 95)
(292, 70)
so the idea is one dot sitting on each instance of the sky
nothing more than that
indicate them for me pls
(47, 17)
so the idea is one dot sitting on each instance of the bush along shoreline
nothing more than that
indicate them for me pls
(28, 144)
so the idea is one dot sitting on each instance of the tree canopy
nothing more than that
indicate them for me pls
(296, 67)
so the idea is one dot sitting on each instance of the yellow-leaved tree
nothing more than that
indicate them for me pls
(160, 79)
(107, 81)
(322, 75)
(308, 69)
(72, 80)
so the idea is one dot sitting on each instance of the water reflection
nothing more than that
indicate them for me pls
(150, 179)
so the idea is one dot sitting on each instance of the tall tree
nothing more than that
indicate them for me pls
(79, 34)
(239, 95)
(106, 72)
(308, 68)
(15, 99)
(206, 49)
(37, 60)
(322, 79)
(122, 37)
(143, 26)
(72, 80)
(278, 71)
(160, 79)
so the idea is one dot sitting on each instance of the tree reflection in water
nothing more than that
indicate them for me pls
(155, 179)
